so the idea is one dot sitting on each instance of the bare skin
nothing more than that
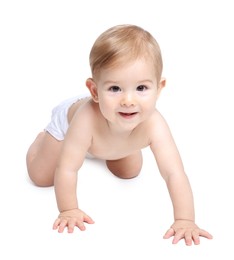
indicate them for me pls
(124, 118)
(42, 158)
(43, 154)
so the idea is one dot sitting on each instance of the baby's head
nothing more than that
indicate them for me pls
(121, 44)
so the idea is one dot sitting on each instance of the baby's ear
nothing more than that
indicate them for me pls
(161, 85)
(91, 85)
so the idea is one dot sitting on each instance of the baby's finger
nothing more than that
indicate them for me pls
(70, 226)
(80, 225)
(178, 236)
(205, 234)
(56, 223)
(188, 238)
(62, 225)
(170, 232)
(88, 219)
(196, 238)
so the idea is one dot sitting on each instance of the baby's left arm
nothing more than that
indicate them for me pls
(171, 168)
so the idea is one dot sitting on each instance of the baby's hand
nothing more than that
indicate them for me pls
(70, 219)
(188, 230)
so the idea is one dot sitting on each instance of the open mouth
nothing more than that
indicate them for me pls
(127, 115)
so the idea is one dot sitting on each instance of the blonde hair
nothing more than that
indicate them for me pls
(123, 43)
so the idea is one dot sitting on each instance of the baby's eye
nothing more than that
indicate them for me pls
(141, 88)
(114, 89)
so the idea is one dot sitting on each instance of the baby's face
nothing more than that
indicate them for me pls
(127, 94)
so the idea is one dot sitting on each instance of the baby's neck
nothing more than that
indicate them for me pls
(118, 132)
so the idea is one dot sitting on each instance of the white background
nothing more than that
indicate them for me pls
(44, 48)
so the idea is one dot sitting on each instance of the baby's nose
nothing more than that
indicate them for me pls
(128, 100)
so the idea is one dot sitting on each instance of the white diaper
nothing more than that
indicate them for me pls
(59, 124)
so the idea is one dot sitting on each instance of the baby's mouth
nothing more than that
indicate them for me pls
(127, 115)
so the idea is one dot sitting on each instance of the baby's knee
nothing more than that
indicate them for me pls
(127, 174)
(124, 170)
(40, 179)
(130, 172)
(41, 182)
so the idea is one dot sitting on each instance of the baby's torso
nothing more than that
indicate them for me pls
(106, 145)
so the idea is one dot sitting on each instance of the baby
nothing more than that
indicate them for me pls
(114, 124)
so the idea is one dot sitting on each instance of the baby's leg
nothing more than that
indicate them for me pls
(41, 159)
(128, 167)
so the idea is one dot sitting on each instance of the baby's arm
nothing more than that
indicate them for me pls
(75, 146)
(172, 171)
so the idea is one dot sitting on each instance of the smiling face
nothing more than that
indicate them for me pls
(126, 94)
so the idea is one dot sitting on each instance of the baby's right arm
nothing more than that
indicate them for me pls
(70, 214)
(74, 149)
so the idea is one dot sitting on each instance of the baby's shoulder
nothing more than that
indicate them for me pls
(87, 112)
(157, 125)
(156, 119)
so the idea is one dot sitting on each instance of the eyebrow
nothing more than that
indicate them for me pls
(145, 80)
(110, 82)
(138, 82)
